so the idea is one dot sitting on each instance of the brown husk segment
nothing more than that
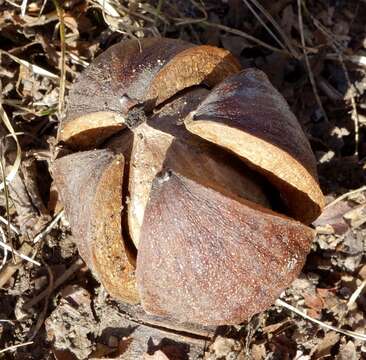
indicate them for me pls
(248, 116)
(117, 80)
(165, 143)
(211, 259)
(90, 186)
(201, 64)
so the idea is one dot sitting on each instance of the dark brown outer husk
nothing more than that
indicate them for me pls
(211, 259)
(90, 187)
(165, 143)
(135, 72)
(116, 81)
(126, 68)
(248, 116)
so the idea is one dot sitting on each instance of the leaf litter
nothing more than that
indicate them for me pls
(315, 57)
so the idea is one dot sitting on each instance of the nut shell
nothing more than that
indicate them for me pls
(90, 186)
(164, 143)
(133, 72)
(248, 116)
(207, 258)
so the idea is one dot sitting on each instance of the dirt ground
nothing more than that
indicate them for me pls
(316, 57)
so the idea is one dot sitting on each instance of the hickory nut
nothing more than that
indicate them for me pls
(191, 182)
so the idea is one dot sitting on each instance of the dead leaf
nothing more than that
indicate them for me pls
(347, 352)
(333, 215)
(324, 348)
(258, 352)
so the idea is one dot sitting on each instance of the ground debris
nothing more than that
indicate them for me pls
(81, 320)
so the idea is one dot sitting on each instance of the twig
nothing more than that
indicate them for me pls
(12, 227)
(70, 271)
(158, 11)
(5, 256)
(48, 228)
(34, 68)
(356, 294)
(355, 116)
(42, 315)
(337, 46)
(11, 268)
(190, 21)
(61, 99)
(307, 62)
(23, 7)
(352, 334)
(14, 347)
(345, 195)
(279, 42)
(16, 164)
(26, 249)
(15, 252)
(274, 24)
(7, 209)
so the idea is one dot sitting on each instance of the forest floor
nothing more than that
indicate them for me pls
(51, 307)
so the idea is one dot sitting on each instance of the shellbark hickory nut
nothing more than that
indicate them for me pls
(190, 184)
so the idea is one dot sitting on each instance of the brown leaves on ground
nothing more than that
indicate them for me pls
(85, 322)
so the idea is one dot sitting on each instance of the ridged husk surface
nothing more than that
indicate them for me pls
(202, 171)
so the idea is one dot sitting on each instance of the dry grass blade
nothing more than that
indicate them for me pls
(23, 7)
(69, 272)
(14, 347)
(34, 68)
(245, 36)
(277, 27)
(22, 256)
(108, 8)
(337, 46)
(11, 268)
(279, 42)
(15, 167)
(5, 256)
(48, 228)
(42, 315)
(7, 208)
(12, 227)
(356, 294)
(190, 21)
(60, 14)
(307, 62)
(352, 334)
(353, 90)
(345, 195)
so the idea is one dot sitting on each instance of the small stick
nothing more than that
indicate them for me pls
(356, 294)
(26, 249)
(15, 252)
(13, 347)
(70, 271)
(345, 195)
(307, 62)
(355, 116)
(61, 99)
(353, 334)
(5, 256)
(43, 313)
(12, 227)
(48, 228)
(11, 268)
